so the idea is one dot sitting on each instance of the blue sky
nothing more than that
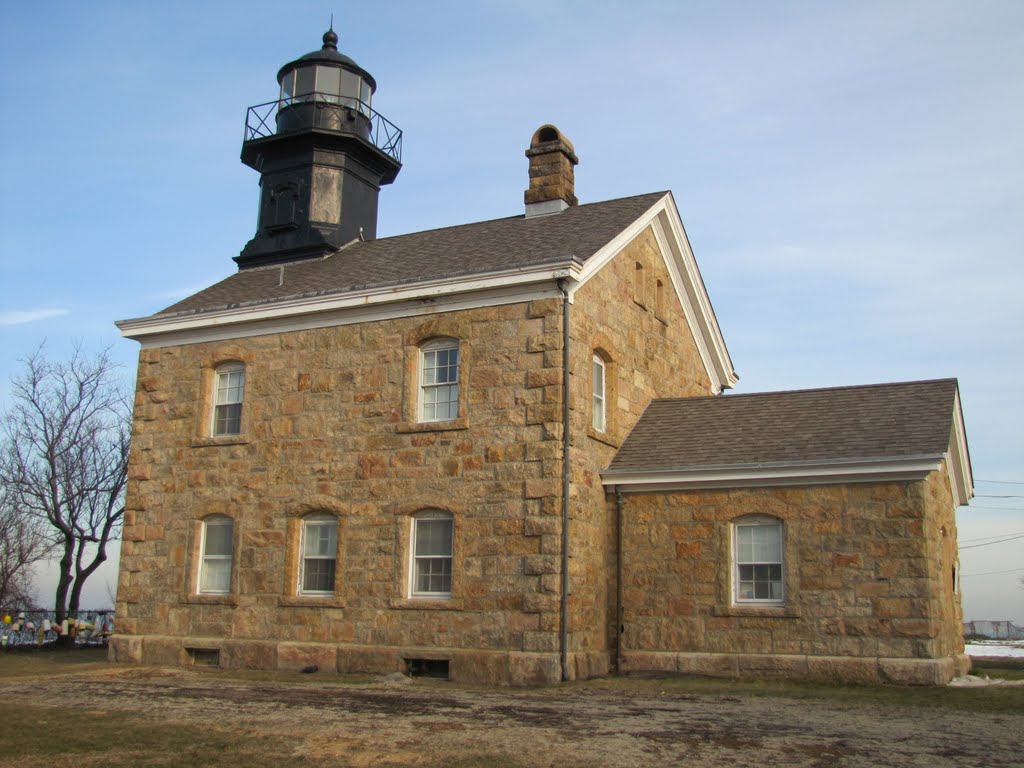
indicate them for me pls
(849, 173)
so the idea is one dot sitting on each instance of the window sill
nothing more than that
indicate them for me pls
(310, 601)
(433, 426)
(210, 599)
(427, 604)
(207, 442)
(603, 437)
(762, 611)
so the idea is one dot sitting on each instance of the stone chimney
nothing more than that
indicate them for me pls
(552, 184)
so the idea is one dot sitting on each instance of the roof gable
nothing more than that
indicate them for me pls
(799, 437)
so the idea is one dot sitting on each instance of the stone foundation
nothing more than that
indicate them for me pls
(477, 667)
(828, 669)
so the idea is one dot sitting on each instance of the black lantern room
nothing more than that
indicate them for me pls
(323, 154)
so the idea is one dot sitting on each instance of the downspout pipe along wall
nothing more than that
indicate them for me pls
(620, 507)
(563, 624)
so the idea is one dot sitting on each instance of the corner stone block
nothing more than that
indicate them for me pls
(916, 671)
(124, 650)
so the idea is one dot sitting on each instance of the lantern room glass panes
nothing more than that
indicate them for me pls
(333, 85)
(328, 83)
(304, 85)
(288, 87)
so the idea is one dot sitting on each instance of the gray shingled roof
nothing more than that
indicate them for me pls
(488, 246)
(846, 423)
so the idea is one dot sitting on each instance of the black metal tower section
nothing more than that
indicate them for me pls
(323, 154)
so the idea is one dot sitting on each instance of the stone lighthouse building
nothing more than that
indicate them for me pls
(501, 451)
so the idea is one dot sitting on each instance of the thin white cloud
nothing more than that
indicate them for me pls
(24, 316)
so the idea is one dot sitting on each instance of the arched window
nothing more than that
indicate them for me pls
(439, 380)
(217, 549)
(319, 547)
(758, 560)
(431, 550)
(228, 393)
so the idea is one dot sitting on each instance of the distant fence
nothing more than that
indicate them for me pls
(993, 630)
(26, 628)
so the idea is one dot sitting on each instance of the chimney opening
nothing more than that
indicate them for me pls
(547, 133)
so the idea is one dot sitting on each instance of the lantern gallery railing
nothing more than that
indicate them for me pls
(326, 111)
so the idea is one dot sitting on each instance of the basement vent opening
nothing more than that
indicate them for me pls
(204, 657)
(427, 668)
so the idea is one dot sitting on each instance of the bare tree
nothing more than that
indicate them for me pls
(22, 544)
(65, 460)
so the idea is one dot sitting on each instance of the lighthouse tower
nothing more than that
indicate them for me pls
(323, 154)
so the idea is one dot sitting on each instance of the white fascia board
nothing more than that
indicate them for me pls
(801, 473)
(664, 220)
(958, 458)
(324, 311)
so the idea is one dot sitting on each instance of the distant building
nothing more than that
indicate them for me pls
(500, 451)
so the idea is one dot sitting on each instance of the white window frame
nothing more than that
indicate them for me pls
(226, 395)
(757, 561)
(318, 520)
(598, 403)
(427, 354)
(417, 561)
(207, 561)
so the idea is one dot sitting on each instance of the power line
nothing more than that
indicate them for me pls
(994, 536)
(1001, 482)
(1000, 541)
(994, 496)
(990, 573)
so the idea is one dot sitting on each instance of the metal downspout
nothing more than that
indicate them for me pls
(620, 506)
(563, 625)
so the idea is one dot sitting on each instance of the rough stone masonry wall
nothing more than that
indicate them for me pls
(650, 352)
(329, 426)
(941, 537)
(866, 588)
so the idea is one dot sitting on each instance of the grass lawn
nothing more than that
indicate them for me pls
(50, 731)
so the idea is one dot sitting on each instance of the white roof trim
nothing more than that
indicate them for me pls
(663, 218)
(796, 473)
(443, 295)
(169, 335)
(958, 459)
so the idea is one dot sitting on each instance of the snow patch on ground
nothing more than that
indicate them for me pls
(1006, 648)
(973, 681)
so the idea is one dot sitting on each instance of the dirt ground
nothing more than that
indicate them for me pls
(398, 722)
